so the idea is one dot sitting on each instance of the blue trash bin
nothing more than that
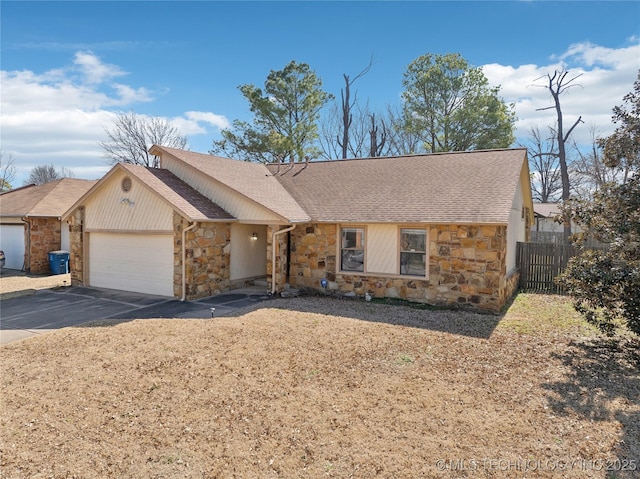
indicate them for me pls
(59, 262)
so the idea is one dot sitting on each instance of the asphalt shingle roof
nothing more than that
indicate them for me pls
(179, 194)
(461, 187)
(548, 210)
(456, 187)
(47, 200)
(252, 180)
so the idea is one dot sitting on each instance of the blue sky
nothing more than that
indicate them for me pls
(69, 67)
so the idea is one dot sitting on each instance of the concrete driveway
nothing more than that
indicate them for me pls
(48, 310)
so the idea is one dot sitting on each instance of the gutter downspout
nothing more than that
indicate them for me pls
(273, 255)
(184, 259)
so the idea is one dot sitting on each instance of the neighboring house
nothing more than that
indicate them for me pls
(546, 215)
(547, 227)
(439, 229)
(30, 222)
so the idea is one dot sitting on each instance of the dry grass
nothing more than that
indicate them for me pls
(11, 281)
(319, 388)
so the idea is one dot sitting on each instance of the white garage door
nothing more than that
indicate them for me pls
(12, 243)
(132, 262)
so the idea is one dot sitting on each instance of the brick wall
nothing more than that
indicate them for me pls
(44, 237)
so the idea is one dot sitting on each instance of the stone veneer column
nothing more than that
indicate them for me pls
(281, 256)
(76, 247)
(179, 223)
(207, 258)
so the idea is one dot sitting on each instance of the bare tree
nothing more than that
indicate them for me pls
(546, 184)
(328, 130)
(400, 140)
(42, 174)
(557, 84)
(367, 134)
(7, 171)
(347, 106)
(588, 171)
(132, 135)
(377, 136)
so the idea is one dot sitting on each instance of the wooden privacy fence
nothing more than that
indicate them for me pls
(540, 264)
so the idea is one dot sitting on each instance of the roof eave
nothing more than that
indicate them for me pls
(410, 221)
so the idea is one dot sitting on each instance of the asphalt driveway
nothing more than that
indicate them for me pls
(47, 310)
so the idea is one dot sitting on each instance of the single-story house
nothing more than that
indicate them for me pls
(30, 222)
(439, 228)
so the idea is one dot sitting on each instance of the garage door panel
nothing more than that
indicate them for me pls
(132, 262)
(12, 243)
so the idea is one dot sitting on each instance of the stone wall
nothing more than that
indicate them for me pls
(207, 259)
(44, 237)
(281, 257)
(467, 267)
(76, 248)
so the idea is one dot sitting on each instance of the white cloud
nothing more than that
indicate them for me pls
(94, 70)
(127, 95)
(192, 122)
(59, 116)
(605, 76)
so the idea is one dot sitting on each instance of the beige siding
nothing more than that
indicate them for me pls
(136, 210)
(382, 249)
(516, 230)
(240, 207)
(248, 256)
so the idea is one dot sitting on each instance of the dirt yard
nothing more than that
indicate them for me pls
(310, 387)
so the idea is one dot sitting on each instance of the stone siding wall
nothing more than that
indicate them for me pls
(44, 237)
(313, 256)
(207, 259)
(76, 247)
(467, 267)
(281, 257)
(511, 286)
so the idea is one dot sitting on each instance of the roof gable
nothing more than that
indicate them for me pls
(251, 180)
(47, 200)
(171, 189)
(179, 194)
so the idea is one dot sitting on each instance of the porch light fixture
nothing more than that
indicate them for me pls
(254, 236)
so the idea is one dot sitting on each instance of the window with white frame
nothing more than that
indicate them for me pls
(352, 249)
(413, 251)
